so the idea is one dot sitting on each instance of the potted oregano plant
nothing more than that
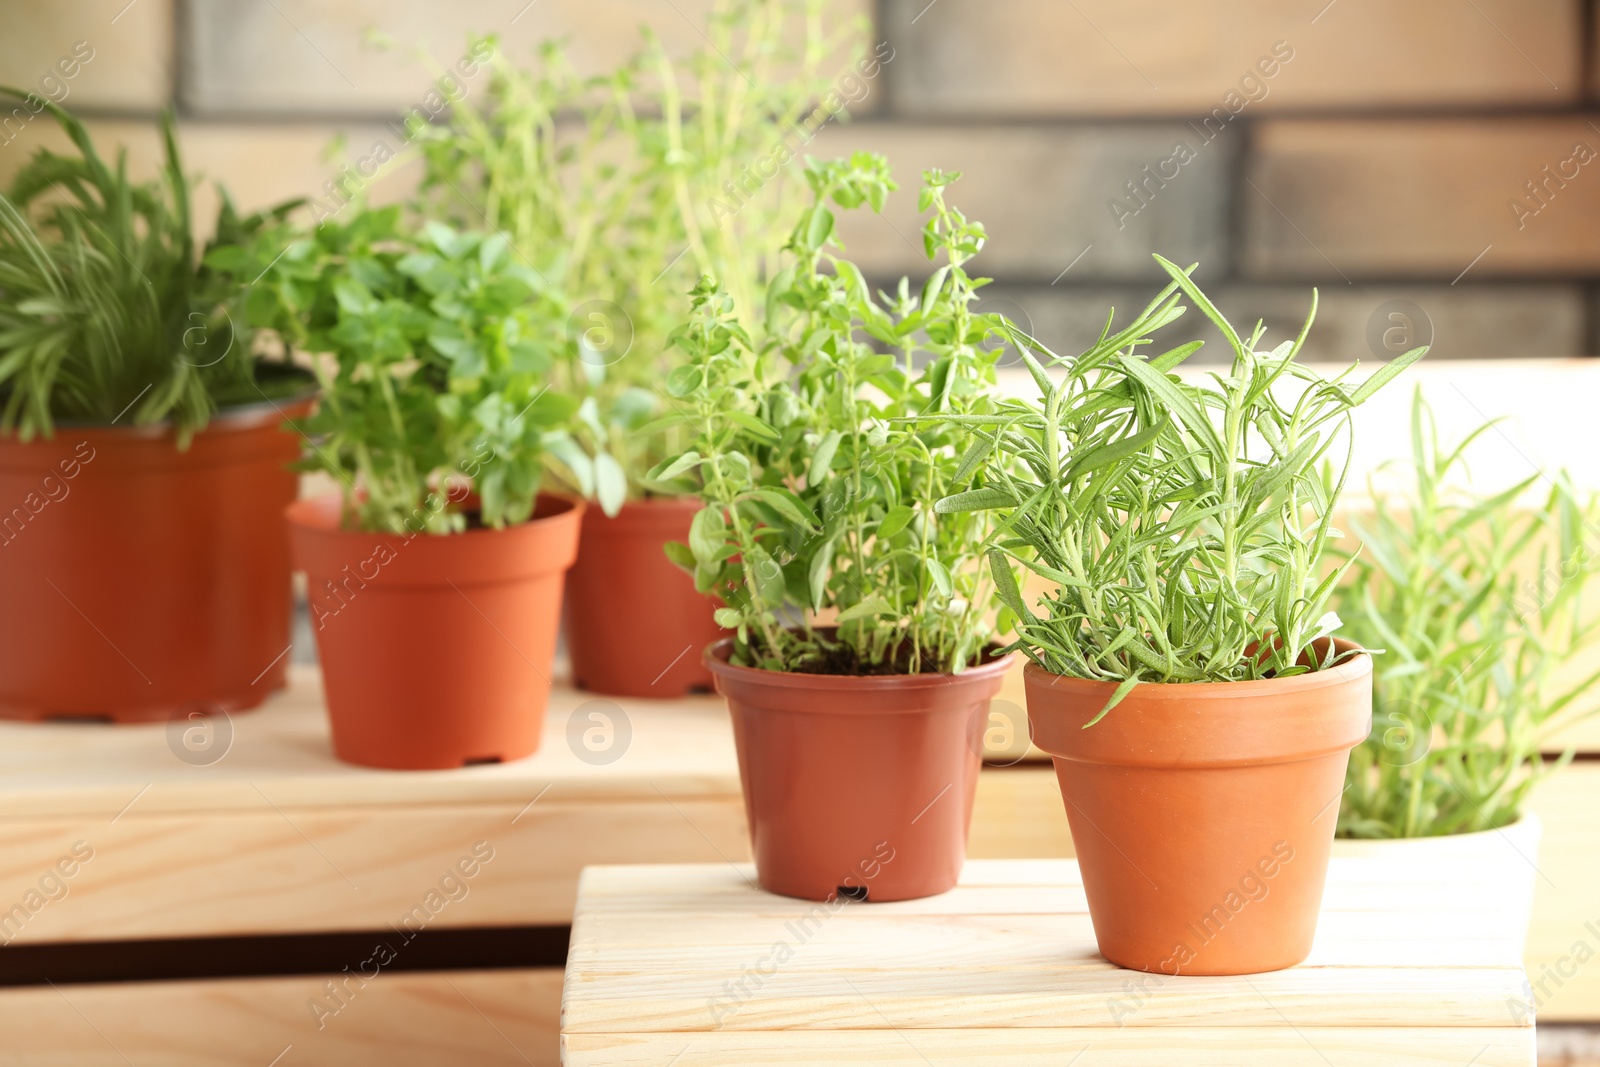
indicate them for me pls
(1477, 601)
(860, 671)
(1185, 674)
(143, 457)
(434, 575)
(663, 170)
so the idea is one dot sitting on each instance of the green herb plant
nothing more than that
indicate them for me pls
(622, 190)
(1478, 602)
(106, 313)
(819, 497)
(1182, 523)
(433, 351)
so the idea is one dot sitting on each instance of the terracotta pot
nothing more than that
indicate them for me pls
(1202, 814)
(1494, 872)
(857, 787)
(141, 582)
(436, 649)
(635, 625)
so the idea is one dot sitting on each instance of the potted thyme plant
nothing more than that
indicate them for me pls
(1185, 675)
(434, 576)
(860, 672)
(664, 171)
(1476, 601)
(143, 459)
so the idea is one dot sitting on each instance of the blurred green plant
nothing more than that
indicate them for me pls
(1183, 522)
(1478, 604)
(819, 496)
(433, 352)
(105, 312)
(622, 190)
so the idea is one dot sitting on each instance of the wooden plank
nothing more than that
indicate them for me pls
(280, 756)
(1563, 957)
(1302, 1046)
(1018, 814)
(505, 1018)
(1009, 948)
(278, 836)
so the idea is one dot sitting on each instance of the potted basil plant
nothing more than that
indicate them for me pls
(434, 575)
(143, 457)
(1185, 675)
(664, 170)
(859, 672)
(1477, 600)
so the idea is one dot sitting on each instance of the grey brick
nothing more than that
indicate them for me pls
(1133, 57)
(1045, 196)
(1462, 322)
(128, 49)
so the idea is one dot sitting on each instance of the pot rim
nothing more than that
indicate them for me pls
(1527, 824)
(716, 656)
(1350, 670)
(302, 514)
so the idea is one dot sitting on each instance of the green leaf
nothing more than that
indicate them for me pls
(819, 228)
(1385, 374)
(787, 505)
(1005, 584)
(822, 457)
(895, 520)
(751, 423)
(818, 571)
(611, 483)
(940, 575)
(670, 468)
(727, 618)
(681, 554)
(682, 381)
(870, 608)
(985, 499)
(707, 532)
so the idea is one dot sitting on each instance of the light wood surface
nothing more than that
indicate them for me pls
(503, 1018)
(1019, 814)
(1005, 967)
(278, 836)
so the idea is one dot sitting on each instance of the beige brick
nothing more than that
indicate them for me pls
(1044, 57)
(1464, 322)
(1419, 197)
(312, 56)
(1044, 196)
(129, 49)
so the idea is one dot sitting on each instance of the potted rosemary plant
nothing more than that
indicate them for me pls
(665, 171)
(1185, 675)
(859, 673)
(1476, 601)
(434, 576)
(143, 459)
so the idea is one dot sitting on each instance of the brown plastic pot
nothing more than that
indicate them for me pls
(635, 624)
(140, 582)
(857, 787)
(1203, 813)
(436, 649)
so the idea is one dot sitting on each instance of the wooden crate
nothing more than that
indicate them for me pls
(485, 1018)
(1019, 815)
(695, 966)
(278, 836)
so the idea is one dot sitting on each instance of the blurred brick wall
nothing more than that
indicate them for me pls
(1435, 160)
